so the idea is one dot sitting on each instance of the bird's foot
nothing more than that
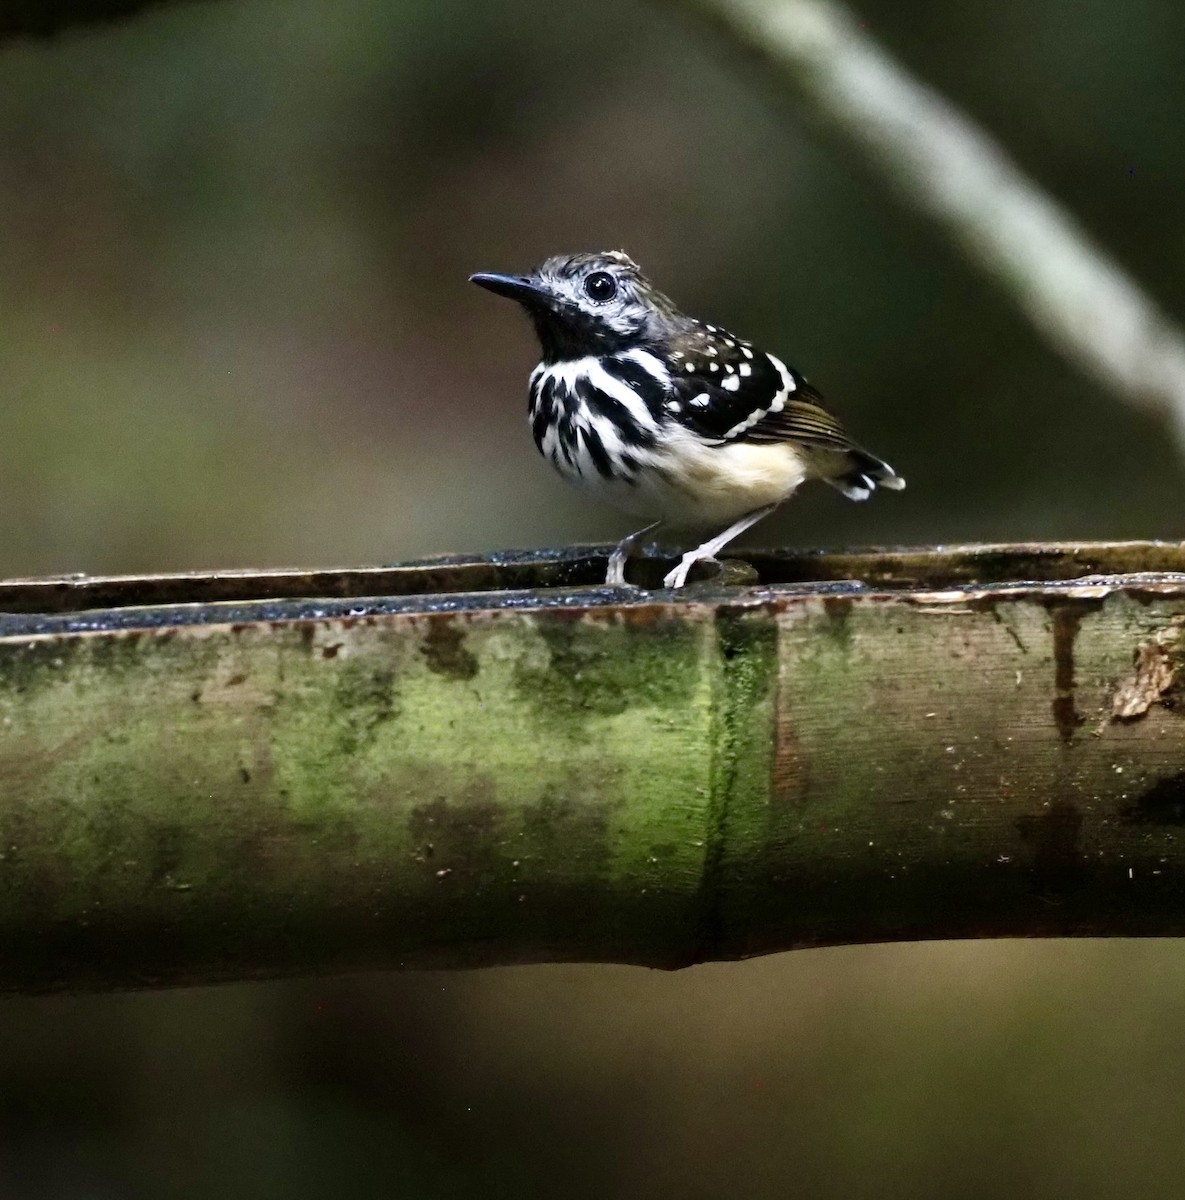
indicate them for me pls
(678, 577)
(707, 552)
(615, 575)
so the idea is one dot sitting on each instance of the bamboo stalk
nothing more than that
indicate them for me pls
(478, 761)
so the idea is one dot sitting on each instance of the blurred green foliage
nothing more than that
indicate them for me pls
(235, 330)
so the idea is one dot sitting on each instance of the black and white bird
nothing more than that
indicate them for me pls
(667, 417)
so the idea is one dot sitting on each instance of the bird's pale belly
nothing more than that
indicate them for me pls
(690, 484)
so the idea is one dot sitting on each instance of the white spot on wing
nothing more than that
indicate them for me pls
(747, 423)
(776, 404)
(702, 400)
(788, 384)
(731, 384)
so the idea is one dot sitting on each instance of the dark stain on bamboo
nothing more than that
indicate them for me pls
(1161, 804)
(459, 840)
(839, 609)
(365, 698)
(1067, 618)
(748, 648)
(1054, 836)
(444, 649)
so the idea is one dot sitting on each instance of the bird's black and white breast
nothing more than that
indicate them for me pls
(597, 419)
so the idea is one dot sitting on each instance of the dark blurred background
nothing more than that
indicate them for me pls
(235, 330)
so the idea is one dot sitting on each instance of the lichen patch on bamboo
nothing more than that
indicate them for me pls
(1155, 676)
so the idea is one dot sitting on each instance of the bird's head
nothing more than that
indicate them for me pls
(583, 304)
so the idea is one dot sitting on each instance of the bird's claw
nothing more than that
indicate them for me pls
(678, 577)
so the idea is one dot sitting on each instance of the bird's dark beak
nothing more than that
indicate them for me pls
(515, 287)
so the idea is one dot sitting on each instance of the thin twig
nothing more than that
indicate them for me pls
(944, 164)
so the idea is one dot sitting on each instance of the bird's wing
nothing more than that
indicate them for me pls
(726, 391)
(803, 419)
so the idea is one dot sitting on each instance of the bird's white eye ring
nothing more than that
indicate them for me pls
(600, 287)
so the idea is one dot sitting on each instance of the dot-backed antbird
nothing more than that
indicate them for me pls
(668, 417)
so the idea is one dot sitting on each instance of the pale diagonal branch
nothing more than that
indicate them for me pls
(942, 163)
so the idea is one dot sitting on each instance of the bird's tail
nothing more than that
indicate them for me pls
(862, 473)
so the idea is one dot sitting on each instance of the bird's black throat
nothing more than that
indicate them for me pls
(568, 334)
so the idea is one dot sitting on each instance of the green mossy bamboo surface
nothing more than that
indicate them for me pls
(229, 789)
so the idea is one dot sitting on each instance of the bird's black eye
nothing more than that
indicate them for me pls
(600, 286)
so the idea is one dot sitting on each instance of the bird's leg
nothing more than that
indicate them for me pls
(617, 560)
(678, 577)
